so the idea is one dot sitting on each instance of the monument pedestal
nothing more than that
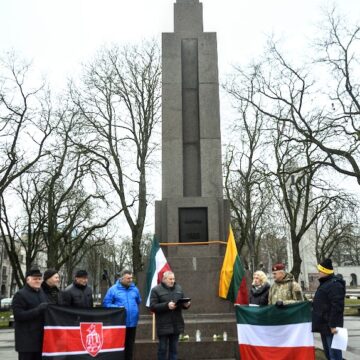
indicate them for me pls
(207, 348)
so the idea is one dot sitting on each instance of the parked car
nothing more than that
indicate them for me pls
(6, 303)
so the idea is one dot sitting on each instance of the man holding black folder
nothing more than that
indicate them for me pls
(167, 301)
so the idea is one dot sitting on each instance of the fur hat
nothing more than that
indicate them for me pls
(49, 273)
(326, 267)
(33, 272)
(81, 274)
(278, 267)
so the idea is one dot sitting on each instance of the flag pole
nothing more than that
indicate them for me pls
(153, 327)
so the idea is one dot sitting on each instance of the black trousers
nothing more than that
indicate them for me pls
(30, 356)
(129, 342)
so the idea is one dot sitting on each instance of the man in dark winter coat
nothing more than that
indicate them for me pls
(29, 305)
(328, 308)
(78, 294)
(50, 285)
(125, 294)
(168, 315)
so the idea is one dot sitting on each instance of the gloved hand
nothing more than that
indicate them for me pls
(279, 303)
(42, 307)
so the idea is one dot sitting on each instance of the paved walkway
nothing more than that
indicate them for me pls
(352, 323)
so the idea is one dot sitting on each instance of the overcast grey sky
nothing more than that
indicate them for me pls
(57, 35)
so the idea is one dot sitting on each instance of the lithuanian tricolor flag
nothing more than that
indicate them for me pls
(232, 285)
(273, 333)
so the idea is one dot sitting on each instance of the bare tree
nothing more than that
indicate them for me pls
(334, 228)
(64, 213)
(119, 106)
(246, 183)
(24, 123)
(347, 252)
(285, 93)
(308, 135)
(338, 51)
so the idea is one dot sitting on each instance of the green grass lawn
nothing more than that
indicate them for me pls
(349, 311)
(4, 318)
(319, 355)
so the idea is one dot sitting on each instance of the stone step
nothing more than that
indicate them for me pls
(208, 324)
(191, 350)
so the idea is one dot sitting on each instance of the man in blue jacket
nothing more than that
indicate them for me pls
(125, 293)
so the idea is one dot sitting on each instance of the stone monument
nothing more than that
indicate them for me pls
(192, 218)
(192, 209)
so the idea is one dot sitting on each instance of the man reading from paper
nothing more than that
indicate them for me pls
(168, 314)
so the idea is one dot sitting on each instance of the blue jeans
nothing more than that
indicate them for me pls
(331, 354)
(172, 340)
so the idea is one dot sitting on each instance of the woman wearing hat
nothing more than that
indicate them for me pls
(50, 285)
(328, 307)
(259, 293)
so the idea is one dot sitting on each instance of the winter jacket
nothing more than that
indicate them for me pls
(167, 321)
(52, 293)
(287, 290)
(129, 297)
(259, 295)
(328, 305)
(76, 295)
(29, 319)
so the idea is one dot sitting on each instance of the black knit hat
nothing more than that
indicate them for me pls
(49, 273)
(81, 273)
(326, 267)
(33, 272)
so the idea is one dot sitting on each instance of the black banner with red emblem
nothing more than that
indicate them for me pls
(72, 333)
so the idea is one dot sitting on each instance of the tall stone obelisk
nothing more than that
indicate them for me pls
(192, 211)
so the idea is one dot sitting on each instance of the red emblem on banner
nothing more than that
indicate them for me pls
(92, 337)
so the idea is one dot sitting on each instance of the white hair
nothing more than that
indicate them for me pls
(262, 276)
(167, 274)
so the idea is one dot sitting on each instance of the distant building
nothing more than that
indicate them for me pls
(7, 283)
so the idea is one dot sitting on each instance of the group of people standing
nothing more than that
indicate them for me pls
(284, 290)
(30, 302)
(327, 304)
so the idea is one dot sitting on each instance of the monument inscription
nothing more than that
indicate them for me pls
(193, 225)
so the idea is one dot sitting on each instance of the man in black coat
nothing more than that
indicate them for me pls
(168, 315)
(50, 285)
(328, 308)
(29, 305)
(78, 294)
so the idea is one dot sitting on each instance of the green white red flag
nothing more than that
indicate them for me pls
(275, 333)
(156, 268)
